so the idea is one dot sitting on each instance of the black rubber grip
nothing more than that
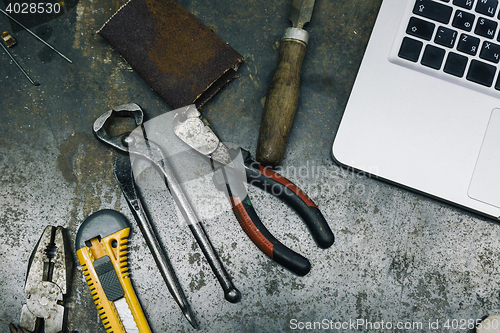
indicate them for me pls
(108, 278)
(253, 227)
(279, 186)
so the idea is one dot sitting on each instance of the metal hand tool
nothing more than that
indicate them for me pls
(36, 36)
(101, 244)
(138, 145)
(125, 178)
(47, 281)
(283, 91)
(195, 131)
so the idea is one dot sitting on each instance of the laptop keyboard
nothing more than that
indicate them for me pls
(458, 38)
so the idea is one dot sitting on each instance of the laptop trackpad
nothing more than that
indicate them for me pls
(485, 183)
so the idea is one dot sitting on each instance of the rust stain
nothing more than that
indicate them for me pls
(86, 163)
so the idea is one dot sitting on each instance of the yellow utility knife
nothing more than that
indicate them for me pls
(101, 245)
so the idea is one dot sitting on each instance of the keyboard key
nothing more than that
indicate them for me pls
(433, 10)
(482, 73)
(497, 84)
(487, 7)
(467, 4)
(490, 52)
(433, 57)
(445, 37)
(485, 27)
(410, 49)
(468, 44)
(455, 64)
(420, 28)
(463, 20)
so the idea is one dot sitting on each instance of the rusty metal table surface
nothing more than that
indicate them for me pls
(399, 257)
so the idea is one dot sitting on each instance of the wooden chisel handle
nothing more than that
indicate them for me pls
(281, 103)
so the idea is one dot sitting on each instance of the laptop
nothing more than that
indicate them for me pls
(424, 112)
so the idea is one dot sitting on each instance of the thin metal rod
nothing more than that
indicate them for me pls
(19, 66)
(36, 36)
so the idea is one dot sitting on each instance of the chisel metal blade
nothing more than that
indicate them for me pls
(301, 12)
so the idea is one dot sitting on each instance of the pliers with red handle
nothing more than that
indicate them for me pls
(230, 175)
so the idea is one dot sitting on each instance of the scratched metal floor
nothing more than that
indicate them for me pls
(398, 256)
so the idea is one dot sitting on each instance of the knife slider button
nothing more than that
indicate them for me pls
(108, 278)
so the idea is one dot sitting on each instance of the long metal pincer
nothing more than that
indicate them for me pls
(125, 178)
(150, 151)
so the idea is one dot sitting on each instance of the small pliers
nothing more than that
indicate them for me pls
(47, 281)
(195, 131)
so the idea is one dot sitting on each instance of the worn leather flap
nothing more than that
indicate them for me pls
(175, 53)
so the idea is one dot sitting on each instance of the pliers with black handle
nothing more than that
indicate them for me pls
(195, 131)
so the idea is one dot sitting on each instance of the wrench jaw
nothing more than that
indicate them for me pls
(101, 125)
(47, 282)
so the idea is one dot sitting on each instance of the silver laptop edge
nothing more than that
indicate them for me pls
(418, 131)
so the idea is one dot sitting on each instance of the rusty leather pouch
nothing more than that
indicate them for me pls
(176, 54)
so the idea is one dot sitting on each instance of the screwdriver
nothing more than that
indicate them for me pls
(283, 91)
